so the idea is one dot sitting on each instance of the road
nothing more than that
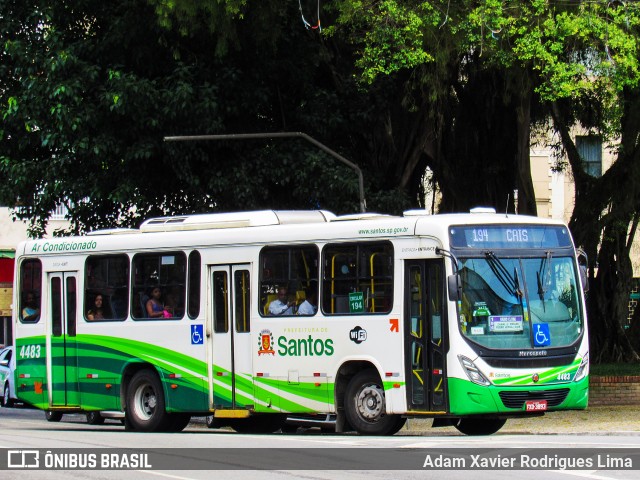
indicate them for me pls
(411, 454)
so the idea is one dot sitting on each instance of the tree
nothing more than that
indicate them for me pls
(89, 91)
(580, 60)
(395, 86)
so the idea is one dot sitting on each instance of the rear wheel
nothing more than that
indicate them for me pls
(94, 418)
(479, 426)
(7, 401)
(145, 403)
(52, 416)
(365, 406)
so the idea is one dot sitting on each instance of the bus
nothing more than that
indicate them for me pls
(468, 319)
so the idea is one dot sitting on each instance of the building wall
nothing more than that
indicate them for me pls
(11, 234)
(555, 193)
(14, 232)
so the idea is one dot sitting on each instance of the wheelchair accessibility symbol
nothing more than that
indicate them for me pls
(541, 336)
(197, 334)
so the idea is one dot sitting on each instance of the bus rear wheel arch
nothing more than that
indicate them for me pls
(365, 406)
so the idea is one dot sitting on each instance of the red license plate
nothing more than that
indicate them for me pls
(535, 405)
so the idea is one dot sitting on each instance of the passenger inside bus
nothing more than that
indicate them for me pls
(97, 312)
(155, 308)
(31, 310)
(282, 305)
(310, 304)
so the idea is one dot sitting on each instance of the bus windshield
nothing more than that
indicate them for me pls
(520, 303)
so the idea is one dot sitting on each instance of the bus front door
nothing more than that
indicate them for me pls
(63, 358)
(229, 345)
(425, 330)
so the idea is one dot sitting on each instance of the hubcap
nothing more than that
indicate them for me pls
(370, 403)
(146, 402)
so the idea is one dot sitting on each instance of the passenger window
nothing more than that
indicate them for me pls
(288, 277)
(30, 291)
(194, 284)
(159, 281)
(106, 288)
(357, 278)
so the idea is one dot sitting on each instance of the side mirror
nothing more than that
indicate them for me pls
(583, 262)
(455, 287)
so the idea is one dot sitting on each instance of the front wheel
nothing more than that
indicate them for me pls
(365, 406)
(52, 416)
(145, 403)
(479, 426)
(7, 401)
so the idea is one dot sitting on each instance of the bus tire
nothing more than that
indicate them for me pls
(94, 418)
(145, 403)
(7, 401)
(178, 422)
(266, 423)
(52, 416)
(479, 426)
(213, 422)
(365, 406)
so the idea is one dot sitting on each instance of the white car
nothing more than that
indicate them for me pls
(7, 382)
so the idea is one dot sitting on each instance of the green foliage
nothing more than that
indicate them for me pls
(89, 90)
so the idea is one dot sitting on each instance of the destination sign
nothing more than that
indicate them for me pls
(510, 236)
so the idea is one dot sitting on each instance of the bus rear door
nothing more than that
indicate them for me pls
(63, 360)
(425, 336)
(231, 386)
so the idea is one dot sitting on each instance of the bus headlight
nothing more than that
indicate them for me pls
(473, 372)
(583, 369)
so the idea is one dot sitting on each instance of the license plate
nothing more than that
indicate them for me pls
(535, 405)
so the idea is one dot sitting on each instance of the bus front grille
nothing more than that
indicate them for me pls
(516, 399)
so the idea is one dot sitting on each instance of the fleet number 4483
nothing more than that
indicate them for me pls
(30, 351)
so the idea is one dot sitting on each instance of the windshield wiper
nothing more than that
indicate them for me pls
(502, 274)
(543, 277)
(516, 279)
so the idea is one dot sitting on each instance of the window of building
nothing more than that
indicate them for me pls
(590, 150)
(288, 277)
(357, 278)
(106, 287)
(30, 290)
(159, 281)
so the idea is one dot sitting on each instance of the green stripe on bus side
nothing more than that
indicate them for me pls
(105, 357)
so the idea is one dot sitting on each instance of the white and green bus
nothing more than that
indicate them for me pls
(468, 319)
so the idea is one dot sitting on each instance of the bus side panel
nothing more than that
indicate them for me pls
(31, 371)
(104, 359)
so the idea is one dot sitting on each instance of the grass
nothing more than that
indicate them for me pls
(615, 369)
